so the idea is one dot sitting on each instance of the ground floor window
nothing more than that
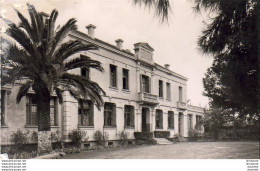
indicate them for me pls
(86, 113)
(171, 119)
(3, 95)
(31, 111)
(109, 114)
(159, 119)
(189, 122)
(129, 116)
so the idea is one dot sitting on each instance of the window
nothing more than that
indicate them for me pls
(180, 94)
(31, 111)
(170, 119)
(129, 116)
(160, 88)
(86, 113)
(159, 119)
(125, 79)
(189, 122)
(145, 84)
(3, 98)
(110, 114)
(168, 85)
(85, 72)
(113, 76)
(198, 119)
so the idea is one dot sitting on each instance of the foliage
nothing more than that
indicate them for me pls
(71, 150)
(123, 136)
(101, 138)
(19, 139)
(161, 7)
(143, 135)
(231, 37)
(34, 136)
(23, 155)
(43, 58)
(55, 136)
(161, 134)
(78, 136)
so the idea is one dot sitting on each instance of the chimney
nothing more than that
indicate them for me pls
(91, 30)
(167, 66)
(119, 43)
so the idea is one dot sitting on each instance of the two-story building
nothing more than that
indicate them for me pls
(141, 96)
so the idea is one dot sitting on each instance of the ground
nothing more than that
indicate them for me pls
(183, 150)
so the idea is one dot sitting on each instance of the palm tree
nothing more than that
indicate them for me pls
(162, 7)
(42, 61)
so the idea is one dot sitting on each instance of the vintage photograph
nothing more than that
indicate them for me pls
(129, 79)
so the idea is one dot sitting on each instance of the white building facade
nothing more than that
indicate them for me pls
(141, 96)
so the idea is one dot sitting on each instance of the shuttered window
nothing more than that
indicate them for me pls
(86, 113)
(129, 116)
(110, 114)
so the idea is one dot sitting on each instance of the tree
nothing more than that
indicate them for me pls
(42, 61)
(231, 37)
(161, 7)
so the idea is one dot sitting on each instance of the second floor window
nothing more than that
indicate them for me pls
(86, 113)
(109, 114)
(180, 94)
(125, 79)
(160, 88)
(145, 84)
(85, 72)
(168, 91)
(113, 76)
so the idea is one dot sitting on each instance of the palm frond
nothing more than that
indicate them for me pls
(23, 90)
(83, 61)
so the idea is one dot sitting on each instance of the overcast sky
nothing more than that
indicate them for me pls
(174, 43)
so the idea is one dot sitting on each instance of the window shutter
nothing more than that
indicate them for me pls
(113, 115)
(132, 117)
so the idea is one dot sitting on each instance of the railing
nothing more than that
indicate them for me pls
(148, 98)
(182, 105)
(196, 108)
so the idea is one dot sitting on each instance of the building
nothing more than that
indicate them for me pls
(141, 96)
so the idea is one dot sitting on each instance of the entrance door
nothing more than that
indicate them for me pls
(144, 120)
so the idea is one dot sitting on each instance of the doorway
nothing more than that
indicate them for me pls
(145, 120)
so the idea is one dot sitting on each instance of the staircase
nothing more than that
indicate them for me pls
(163, 141)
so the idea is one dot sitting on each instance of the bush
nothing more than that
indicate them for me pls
(161, 134)
(23, 155)
(101, 138)
(143, 135)
(123, 136)
(77, 137)
(34, 137)
(19, 139)
(194, 135)
(55, 136)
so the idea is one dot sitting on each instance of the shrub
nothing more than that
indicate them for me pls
(55, 136)
(77, 137)
(101, 138)
(123, 136)
(34, 137)
(161, 134)
(19, 139)
(23, 155)
(143, 135)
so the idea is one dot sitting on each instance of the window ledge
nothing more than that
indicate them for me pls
(113, 88)
(125, 90)
(112, 127)
(168, 100)
(129, 127)
(54, 126)
(82, 126)
(31, 126)
(4, 126)
(158, 128)
(161, 98)
(171, 128)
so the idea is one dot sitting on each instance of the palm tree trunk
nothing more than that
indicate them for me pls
(44, 129)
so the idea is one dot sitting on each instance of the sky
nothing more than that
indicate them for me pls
(174, 43)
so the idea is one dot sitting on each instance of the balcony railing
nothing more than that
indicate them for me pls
(182, 105)
(148, 98)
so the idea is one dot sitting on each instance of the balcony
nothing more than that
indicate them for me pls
(182, 105)
(147, 98)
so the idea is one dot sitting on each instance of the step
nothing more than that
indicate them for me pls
(163, 141)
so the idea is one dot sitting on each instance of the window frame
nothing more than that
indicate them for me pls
(81, 111)
(168, 89)
(129, 116)
(145, 84)
(125, 78)
(113, 75)
(109, 115)
(159, 118)
(160, 88)
(171, 120)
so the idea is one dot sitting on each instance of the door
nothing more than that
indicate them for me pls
(144, 120)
